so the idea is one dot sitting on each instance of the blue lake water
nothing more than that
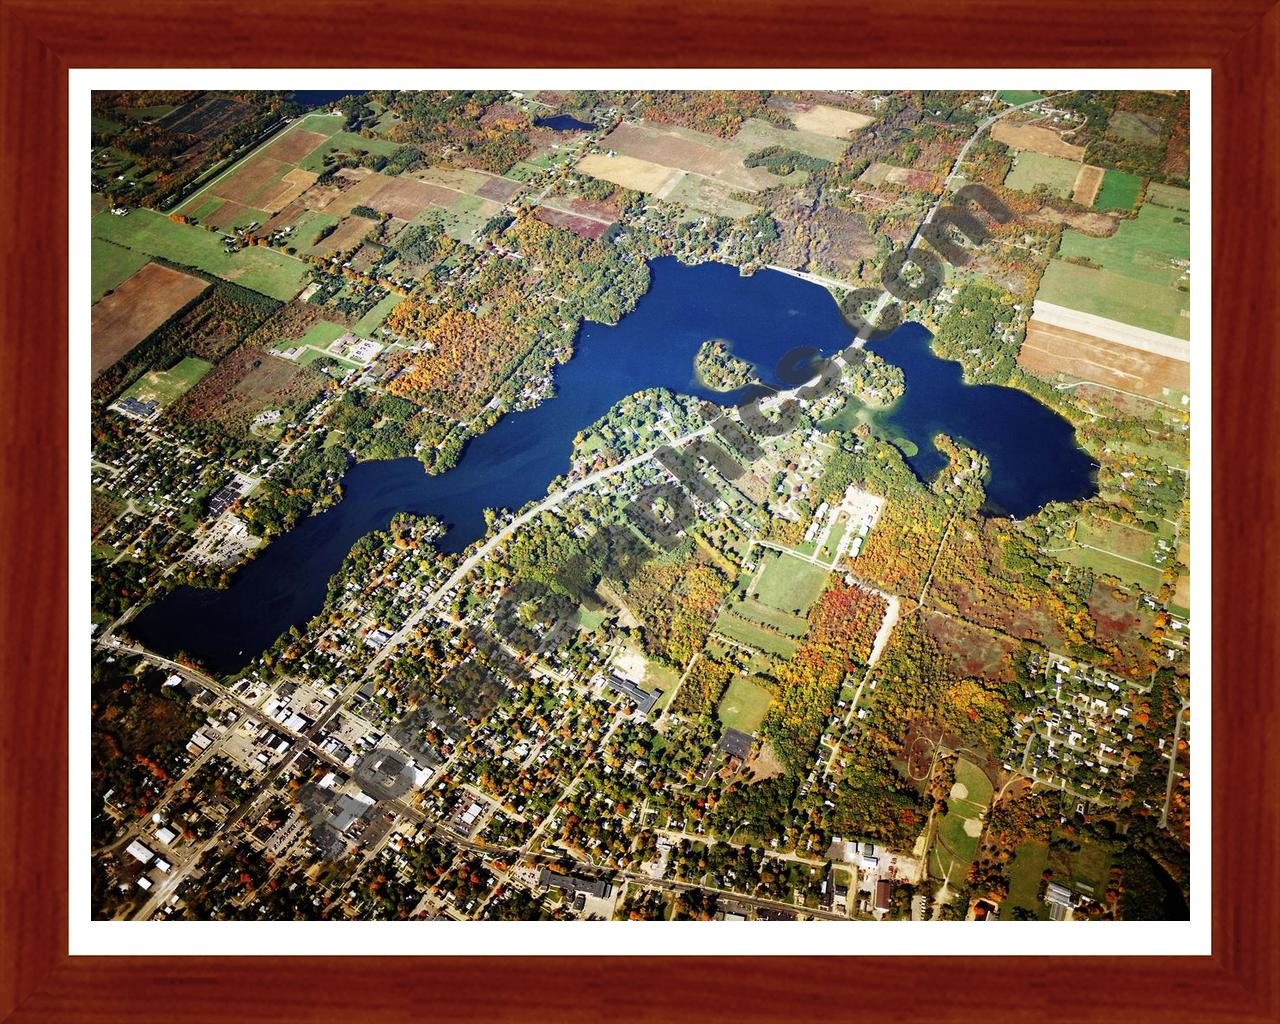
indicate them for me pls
(1031, 450)
(764, 316)
(563, 123)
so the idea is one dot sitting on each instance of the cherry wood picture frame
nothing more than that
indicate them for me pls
(40, 40)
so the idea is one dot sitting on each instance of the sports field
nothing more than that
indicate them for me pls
(956, 841)
(1031, 169)
(1141, 268)
(146, 231)
(165, 386)
(1119, 191)
(110, 264)
(744, 705)
(788, 584)
(1017, 97)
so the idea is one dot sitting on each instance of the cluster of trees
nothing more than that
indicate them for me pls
(676, 604)
(716, 112)
(976, 332)
(782, 161)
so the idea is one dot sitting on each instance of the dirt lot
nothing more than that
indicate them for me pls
(582, 226)
(1088, 181)
(688, 151)
(641, 175)
(499, 189)
(1038, 140)
(137, 307)
(294, 146)
(406, 198)
(1051, 349)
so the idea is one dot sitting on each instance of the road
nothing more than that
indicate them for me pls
(1173, 764)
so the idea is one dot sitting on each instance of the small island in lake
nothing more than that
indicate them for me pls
(718, 369)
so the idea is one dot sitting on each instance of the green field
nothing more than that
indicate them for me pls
(1119, 191)
(744, 705)
(1032, 169)
(166, 386)
(752, 635)
(1017, 97)
(370, 322)
(1138, 282)
(784, 622)
(659, 677)
(1169, 195)
(954, 847)
(109, 264)
(261, 269)
(203, 207)
(344, 142)
(834, 538)
(321, 124)
(789, 584)
(1027, 866)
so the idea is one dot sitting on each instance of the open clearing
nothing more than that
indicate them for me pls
(1144, 129)
(1025, 872)
(1038, 140)
(1087, 183)
(755, 135)
(261, 269)
(1137, 276)
(629, 172)
(1105, 351)
(584, 227)
(1031, 169)
(784, 622)
(879, 173)
(824, 120)
(708, 196)
(1119, 191)
(788, 584)
(1170, 196)
(744, 705)
(110, 264)
(1017, 97)
(136, 308)
(164, 386)
(751, 635)
(686, 150)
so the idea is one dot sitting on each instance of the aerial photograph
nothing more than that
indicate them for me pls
(639, 505)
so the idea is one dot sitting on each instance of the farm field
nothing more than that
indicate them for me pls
(1051, 349)
(751, 635)
(109, 264)
(1036, 139)
(755, 135)
(641, 175)
(788, 584)
(137, 307)
(1031, 169)
(1169, 195)
(345, 143)
(744, 705)
(824, 120)
(1119, 191)
(165, 386)
(1136, 276)
(878, 173)
(262, 270)
(708, 196)
(1088, 181)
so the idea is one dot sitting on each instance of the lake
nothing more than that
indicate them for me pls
(563, 123)
(764, 316)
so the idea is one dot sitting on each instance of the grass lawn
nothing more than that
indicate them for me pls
(1139, 279)
(1017, 97)
(836, 535)
(1119, 191)
(322, 124)
(1120, 551)
(752, 635)
(110, 264)
(261, 269)
(309, 226)
(789, 584)
(165, 386)
(784, 622)
(1028, 864)
(660, 677)
(1085, 870)
(370, 322)
(957, 838)
(744, 705)
(589, 620)
(1032, 169)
